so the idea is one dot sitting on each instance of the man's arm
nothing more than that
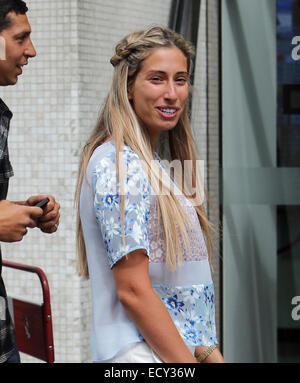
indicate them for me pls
(49, 221)
(15, 219)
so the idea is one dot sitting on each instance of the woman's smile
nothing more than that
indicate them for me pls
(168, 112)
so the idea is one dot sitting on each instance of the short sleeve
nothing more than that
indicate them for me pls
(107, 205)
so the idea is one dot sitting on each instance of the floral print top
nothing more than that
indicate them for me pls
(187, 292)
(190, 305)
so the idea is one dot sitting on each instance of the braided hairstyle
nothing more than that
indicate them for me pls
(135, 47)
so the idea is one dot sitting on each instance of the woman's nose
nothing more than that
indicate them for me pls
(170, 92)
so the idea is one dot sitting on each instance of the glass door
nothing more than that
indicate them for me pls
(288, 160)
(261, 180)
(251, 182)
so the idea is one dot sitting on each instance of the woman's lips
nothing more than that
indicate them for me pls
(167, 112)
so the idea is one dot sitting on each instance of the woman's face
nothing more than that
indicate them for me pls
(160, 90)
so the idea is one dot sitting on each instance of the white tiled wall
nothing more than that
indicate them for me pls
(55, 106)
(199, 101)
(205, 121)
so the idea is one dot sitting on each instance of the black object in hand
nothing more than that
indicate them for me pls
(42, 203)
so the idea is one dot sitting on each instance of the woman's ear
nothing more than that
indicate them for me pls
(129, 93)
(130, 90)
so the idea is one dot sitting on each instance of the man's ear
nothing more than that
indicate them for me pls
(2, 48)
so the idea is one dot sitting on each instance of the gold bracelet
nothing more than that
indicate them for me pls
(206, 353)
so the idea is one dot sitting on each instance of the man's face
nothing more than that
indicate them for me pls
(18, 48)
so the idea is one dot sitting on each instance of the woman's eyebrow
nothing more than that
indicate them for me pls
(156, 71)
(162, 72)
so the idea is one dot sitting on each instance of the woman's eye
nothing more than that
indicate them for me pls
(156, 79)
(182, 80)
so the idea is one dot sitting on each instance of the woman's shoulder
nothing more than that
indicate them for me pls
(107, 151)
(103, 164)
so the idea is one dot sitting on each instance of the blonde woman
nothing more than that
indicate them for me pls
(144, 250)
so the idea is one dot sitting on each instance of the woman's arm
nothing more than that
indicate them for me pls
(146, 309)
(214, 357)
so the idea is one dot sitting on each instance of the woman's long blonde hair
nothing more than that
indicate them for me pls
(119, 122)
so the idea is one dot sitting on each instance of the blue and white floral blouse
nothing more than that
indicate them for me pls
(187, 293)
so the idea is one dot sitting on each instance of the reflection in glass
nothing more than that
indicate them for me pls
(288, 155)
(288, 282)
(288, 84)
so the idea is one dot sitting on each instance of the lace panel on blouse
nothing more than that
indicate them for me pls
(197, 251)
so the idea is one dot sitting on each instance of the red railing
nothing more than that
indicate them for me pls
(33, 322)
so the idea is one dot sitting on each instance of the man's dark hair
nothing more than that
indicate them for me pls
(17, 6)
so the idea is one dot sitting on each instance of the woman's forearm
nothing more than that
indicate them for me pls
(214, 357)
(151, 317)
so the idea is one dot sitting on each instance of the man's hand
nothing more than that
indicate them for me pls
(14, 220)
(49, 221)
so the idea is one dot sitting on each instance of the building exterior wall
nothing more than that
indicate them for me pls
(205, 124)
(55, 106)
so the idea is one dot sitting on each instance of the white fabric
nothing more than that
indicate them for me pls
(135, 353)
